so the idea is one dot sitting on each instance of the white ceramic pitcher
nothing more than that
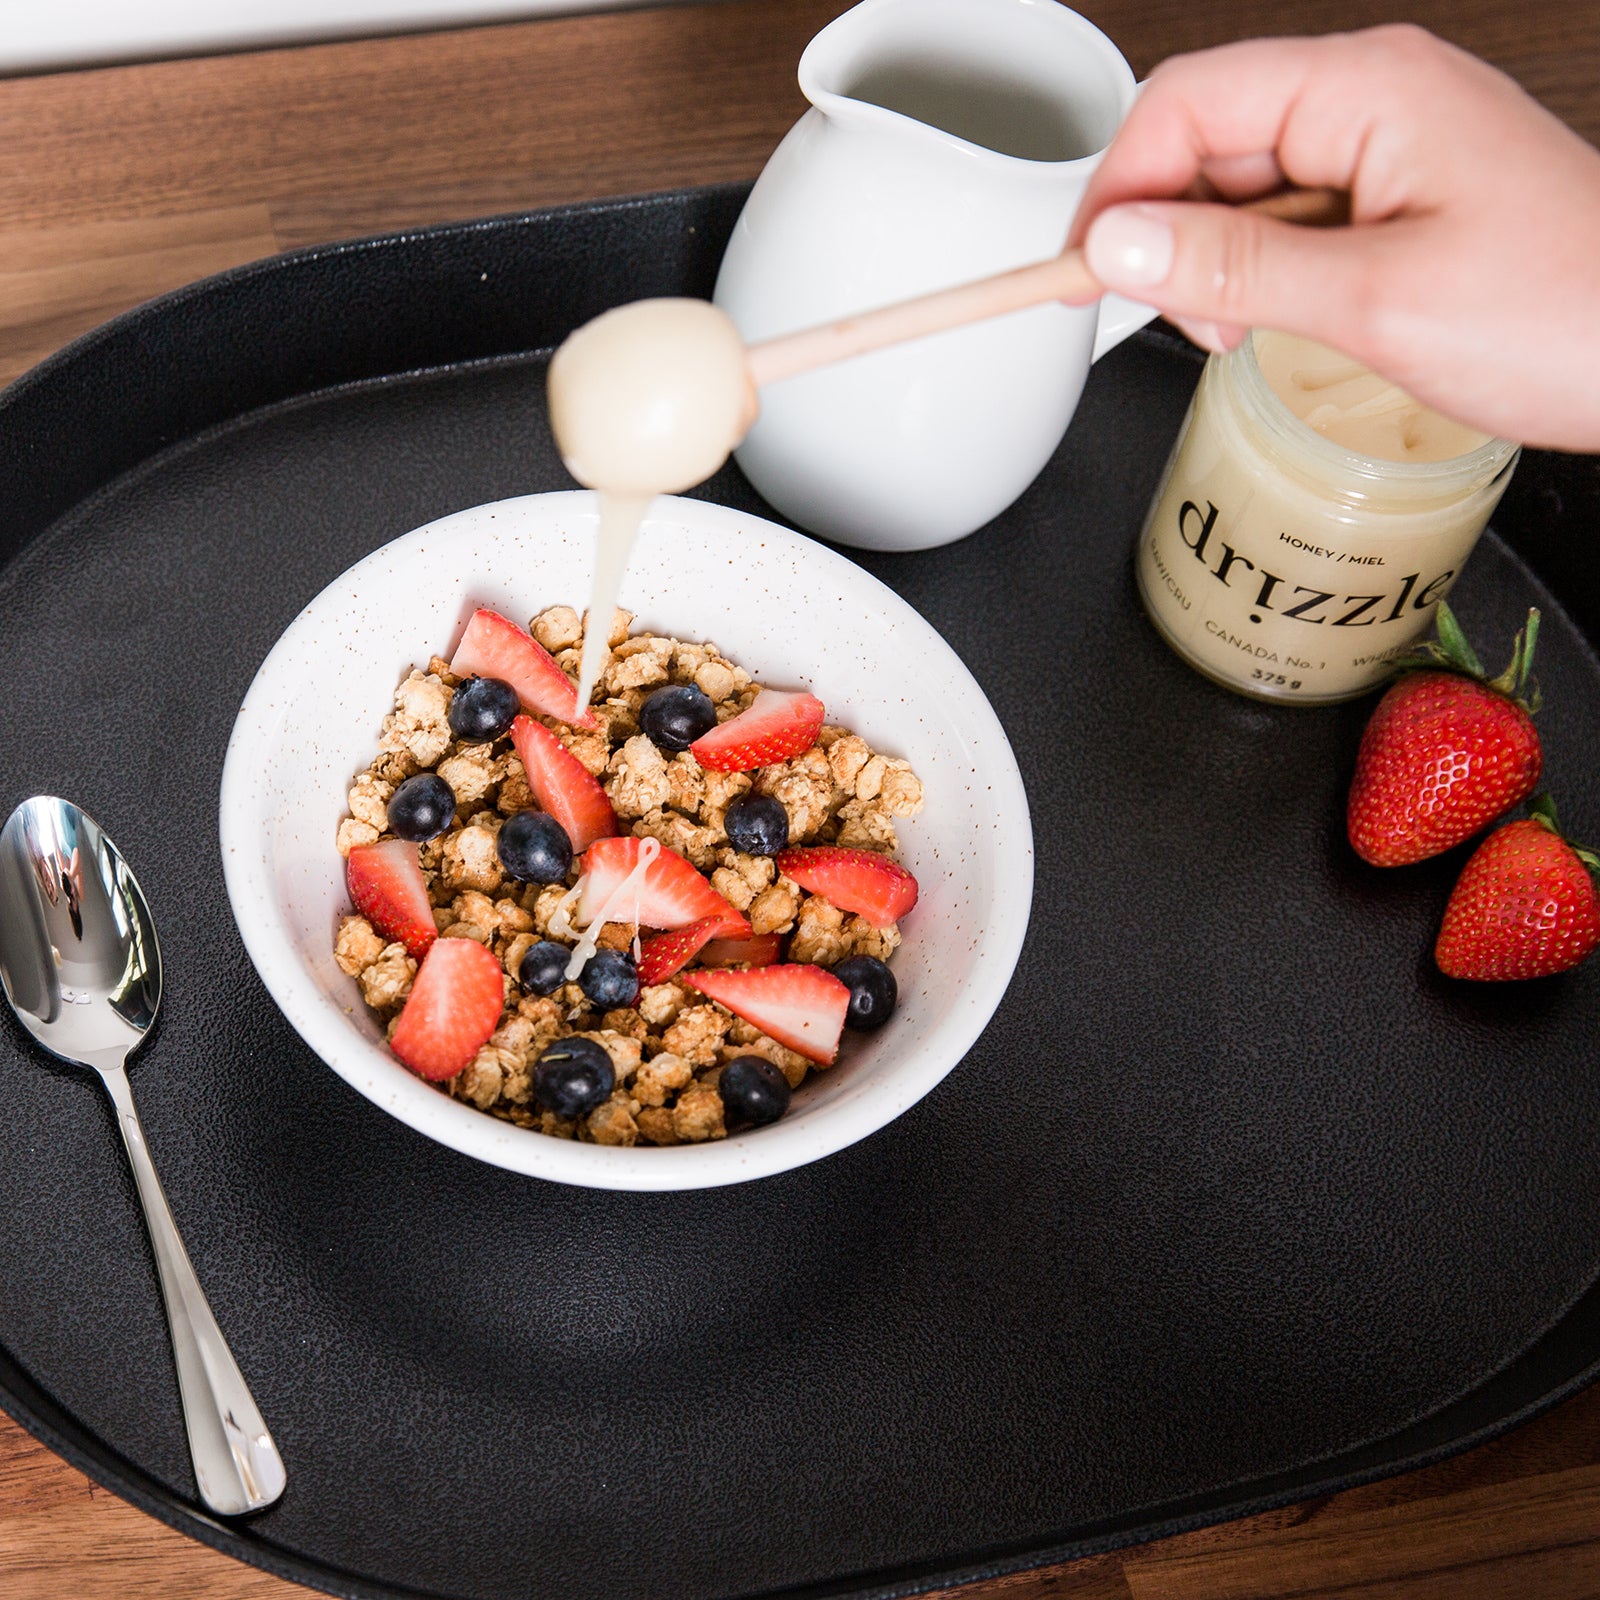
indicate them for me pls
(948, 139)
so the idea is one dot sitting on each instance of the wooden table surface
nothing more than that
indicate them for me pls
(121, 183)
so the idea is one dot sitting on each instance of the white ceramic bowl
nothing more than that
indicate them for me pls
(790, 611)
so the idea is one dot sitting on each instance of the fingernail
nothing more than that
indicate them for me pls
(1129, 248)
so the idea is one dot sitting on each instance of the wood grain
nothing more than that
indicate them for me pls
(121, 183)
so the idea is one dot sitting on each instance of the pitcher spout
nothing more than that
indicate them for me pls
(1002, 82)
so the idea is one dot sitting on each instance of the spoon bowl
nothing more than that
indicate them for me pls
(81, 966)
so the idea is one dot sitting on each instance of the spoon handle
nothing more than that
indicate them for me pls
(1063, 277)
(235, 1461)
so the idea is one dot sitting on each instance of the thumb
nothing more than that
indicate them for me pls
(1222, 265)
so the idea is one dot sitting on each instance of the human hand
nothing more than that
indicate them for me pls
(1470, 273)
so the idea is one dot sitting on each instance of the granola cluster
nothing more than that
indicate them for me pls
(668, 1049)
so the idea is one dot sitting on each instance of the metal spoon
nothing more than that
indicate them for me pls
(80, 965)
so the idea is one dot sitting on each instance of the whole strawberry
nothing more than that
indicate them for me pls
(1446, 752)
(1524, 906)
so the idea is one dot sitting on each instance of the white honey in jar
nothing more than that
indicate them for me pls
(1311, 518)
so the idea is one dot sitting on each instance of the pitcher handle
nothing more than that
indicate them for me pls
(1118, 318)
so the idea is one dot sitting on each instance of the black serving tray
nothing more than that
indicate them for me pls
(1236, 1201)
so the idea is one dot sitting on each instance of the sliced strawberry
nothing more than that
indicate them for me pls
(492, 647)
(668, 894)
(564, 786)
(777, 725)
(799, 1006)
(854, 880)
(760, 950)
(668, 953)
(453, 1007)
(385, 881)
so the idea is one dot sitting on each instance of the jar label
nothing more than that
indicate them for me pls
(1266, 589)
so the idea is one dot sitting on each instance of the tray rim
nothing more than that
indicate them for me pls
(1420, 1441)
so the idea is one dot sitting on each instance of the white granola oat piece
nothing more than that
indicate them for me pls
(419, 723)
(621, 621)
(865, 825)
(869, 779)
(721, 790)
(393, 766)
(472, 905)
(695, 843)
(515, 1040)
(688, 656)
(846, 758)
(698, 1115)
(515, 794)
(655, 1124)
(557, 628)
(790, 1063)
(356, 945)
(471, 773)
(715, 680)
(901, 793)
(352, 833)
(467, 930)
(617, 718)
(625, 1053)
(544, 906)
(732, 888)
(515, 951)
(388, 980)
(548, 1019)
(612, 1122)
(866, 940)
(696, 1034)
(479, 1081)
(641, 663)
(638, 781)
(661, 1076)
(593, 750)
(626, 1021)
(512, 918)
(470, 859)
(686, 784)
(774, 909)
(660, 1003)
(757, 871)
(369, 800)
(804, 787)
(828, 735)
(819, 933)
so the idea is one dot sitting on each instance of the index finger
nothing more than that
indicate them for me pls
(1309, 106)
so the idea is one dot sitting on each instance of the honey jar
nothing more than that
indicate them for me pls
(1311, 517)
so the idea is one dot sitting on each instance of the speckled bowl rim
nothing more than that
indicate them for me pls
(879, 1093)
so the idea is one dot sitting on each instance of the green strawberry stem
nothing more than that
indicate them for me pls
(1452, 648)
(1543, 810)
(1517, 681)
(1452, 652)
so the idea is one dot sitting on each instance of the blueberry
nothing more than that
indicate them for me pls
(753, 1090)
(544, 967)
(674, 718)
(609, 978)
(534, 848)
(873, 992)
(483, 708)
(572, 1077)
(757, 824)
(422, 807)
